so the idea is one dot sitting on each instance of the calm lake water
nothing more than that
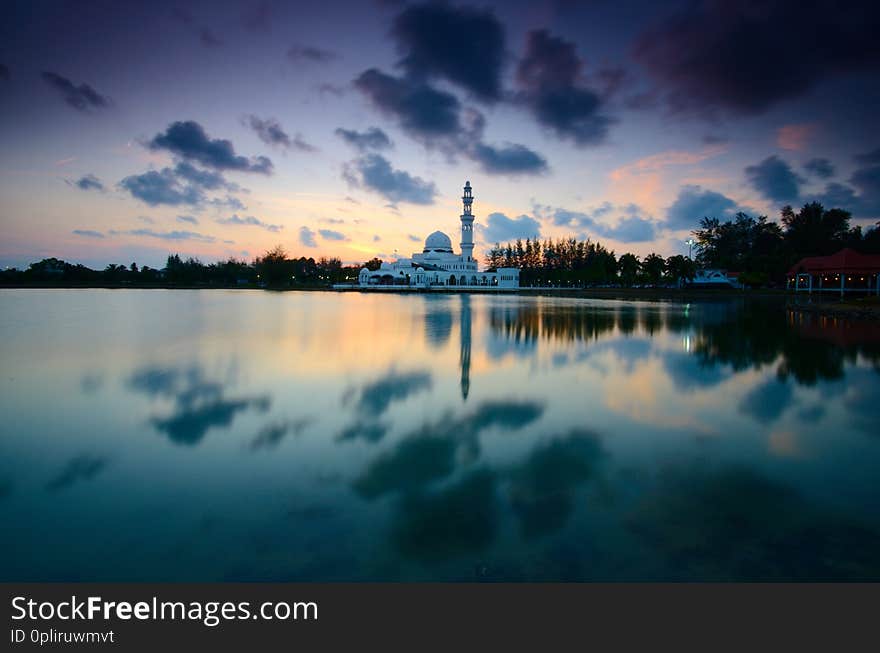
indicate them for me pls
(249, 435)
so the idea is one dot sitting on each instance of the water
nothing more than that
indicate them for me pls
(249, 435)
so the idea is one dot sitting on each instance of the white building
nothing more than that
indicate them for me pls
(437, 265)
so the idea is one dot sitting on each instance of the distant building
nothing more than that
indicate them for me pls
(713, 278)
(845, 271)
(438, 265)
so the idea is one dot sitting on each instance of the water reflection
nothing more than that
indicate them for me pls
(448, 437)
(200, 404)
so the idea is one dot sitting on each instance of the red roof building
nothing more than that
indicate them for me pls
(845, 271)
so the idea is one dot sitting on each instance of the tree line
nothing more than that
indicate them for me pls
(274, 269)
(760, 250)
(568, 262)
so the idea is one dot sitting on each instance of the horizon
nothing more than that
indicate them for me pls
(257, 124)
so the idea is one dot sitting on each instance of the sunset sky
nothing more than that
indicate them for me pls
(131, 130)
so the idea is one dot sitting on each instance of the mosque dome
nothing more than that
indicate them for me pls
(438, 242)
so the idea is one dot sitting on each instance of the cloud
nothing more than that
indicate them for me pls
(165, 235)
(250, 220)
(83, 467)
(822, 168)
(272, 133)
(307, 237)
(631, 227)
(206, 37)
(500, 229)
(187, 218)
(509, 159)
(774, 179)
(89, 182)
(694, 203)
(299, 53)
(463, 45)
(699, 57)
(866, 180)
(204, 178)
(424, 112)
(329, 234)
(795, 137)
(82, 97)
(371, 139)
(435, 118)
(155, 188)
(188, 140)
(87, 233)
(548, 77)
(374, 172)
(412, 237)
(869, 158)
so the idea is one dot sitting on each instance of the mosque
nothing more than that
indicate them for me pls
(438, 266)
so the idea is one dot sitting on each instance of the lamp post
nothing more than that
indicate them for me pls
(690, 244)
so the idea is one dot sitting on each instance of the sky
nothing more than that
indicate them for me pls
(132, 130)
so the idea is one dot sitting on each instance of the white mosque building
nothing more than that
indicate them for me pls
(438, 266)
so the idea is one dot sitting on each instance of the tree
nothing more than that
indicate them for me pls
(274, 268)
(628, 267)
(680, 268)
(653, 266)
(373, 264)
(813, 231)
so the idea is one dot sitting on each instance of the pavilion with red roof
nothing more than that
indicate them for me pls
(845, 271)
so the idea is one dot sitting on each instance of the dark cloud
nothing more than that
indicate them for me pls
(155, 188)
(271, 435)
(206, 37)
(632, 227)
(81, 98)
(694, 203)
(249, 220)
(774, 179)
(820, 167)
(374, 172)
(415, 462)
(542, 489)
(228, 202)
(455, 521)
(414, 238)
(767, 401)
(376, 397)
(509, 159)
(461, 44)
(371, 139)
(307, 237)
(87, 233)
(269, 130)
(272, 133)
(187, 218)
(329, 234)
(89, 182)
(700, 57)
(310, 53)
(424, 112)
(869, 158)
(501, 229)
(199, 402)
(206, 179)
(79, 468)
(188, 140)
(549, 77)
(165, 235)
(191, 422)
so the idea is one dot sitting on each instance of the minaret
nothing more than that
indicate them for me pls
(467, 225)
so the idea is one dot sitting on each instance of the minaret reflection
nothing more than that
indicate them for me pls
(465, 358)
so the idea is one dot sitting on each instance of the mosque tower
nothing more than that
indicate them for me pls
(467, 225)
